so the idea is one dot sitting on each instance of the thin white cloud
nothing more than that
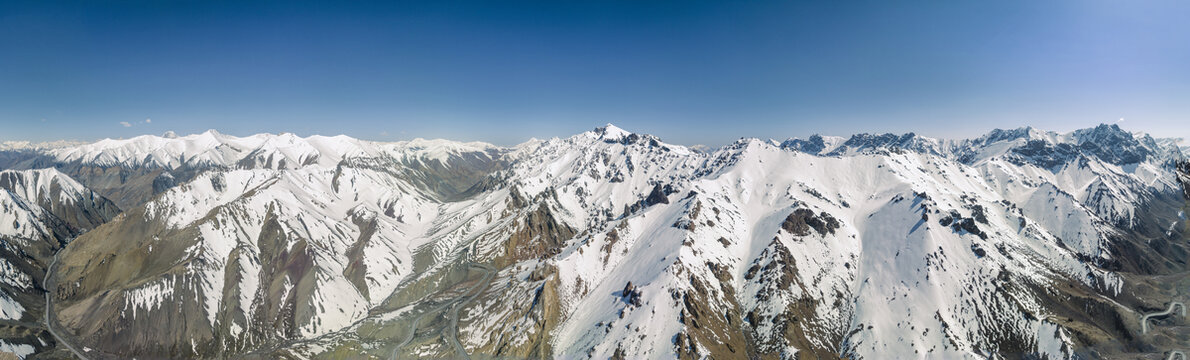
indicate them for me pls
(1120, 121)
(125, 124)
(147, 120)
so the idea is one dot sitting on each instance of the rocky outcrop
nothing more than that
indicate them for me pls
(538, 235)
(630, 294)
(1183, 171)
(656, 196)
(802, 220)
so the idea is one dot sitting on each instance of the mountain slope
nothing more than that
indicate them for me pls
(40, 212)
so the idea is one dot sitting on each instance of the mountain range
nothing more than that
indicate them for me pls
(1019, 243)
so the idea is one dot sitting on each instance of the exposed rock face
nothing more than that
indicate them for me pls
(1113, 145)
(777, 328)
(538, 236)
(1184, 177)
(959, 223)
(631, 294)
(528, 309)
(801, 221)
(1044, 154)
(656, 196)
(816, 144)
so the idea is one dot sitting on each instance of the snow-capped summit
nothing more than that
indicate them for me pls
(41, 184)
(611, 132)
(1112, 144)
(1026, 144)
(48, 194)
(274, 151)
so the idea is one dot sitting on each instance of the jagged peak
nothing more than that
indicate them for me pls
(1107, 142)
(612, 131)
(865, 142)
(751, 144)
(612, 134)
(1102, 132)
(996, 135)
(815, 144)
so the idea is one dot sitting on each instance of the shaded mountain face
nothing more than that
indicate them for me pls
(611, 244)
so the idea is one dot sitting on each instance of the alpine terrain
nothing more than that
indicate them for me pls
(1018, 244)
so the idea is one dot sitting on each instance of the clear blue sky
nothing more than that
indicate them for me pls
(505, 71)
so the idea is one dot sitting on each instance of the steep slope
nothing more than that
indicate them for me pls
(756, 258)
(248, 257)
(234, 261)
(40, 211)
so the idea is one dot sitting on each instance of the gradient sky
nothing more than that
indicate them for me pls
(504, 71)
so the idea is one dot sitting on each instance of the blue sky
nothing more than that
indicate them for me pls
(505, 71)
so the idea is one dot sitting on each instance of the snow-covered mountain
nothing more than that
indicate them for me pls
(269, 151)
(611, 244)
(132, 171)
(40, 212)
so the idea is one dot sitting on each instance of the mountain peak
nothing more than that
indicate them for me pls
(815, 144)
(865, 142)
(612, 134)
(1102, 131)
(610, 131)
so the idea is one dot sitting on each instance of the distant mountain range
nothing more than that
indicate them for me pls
(606, 244)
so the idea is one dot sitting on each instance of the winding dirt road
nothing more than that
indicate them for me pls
(49, 307)
(1144, 321)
